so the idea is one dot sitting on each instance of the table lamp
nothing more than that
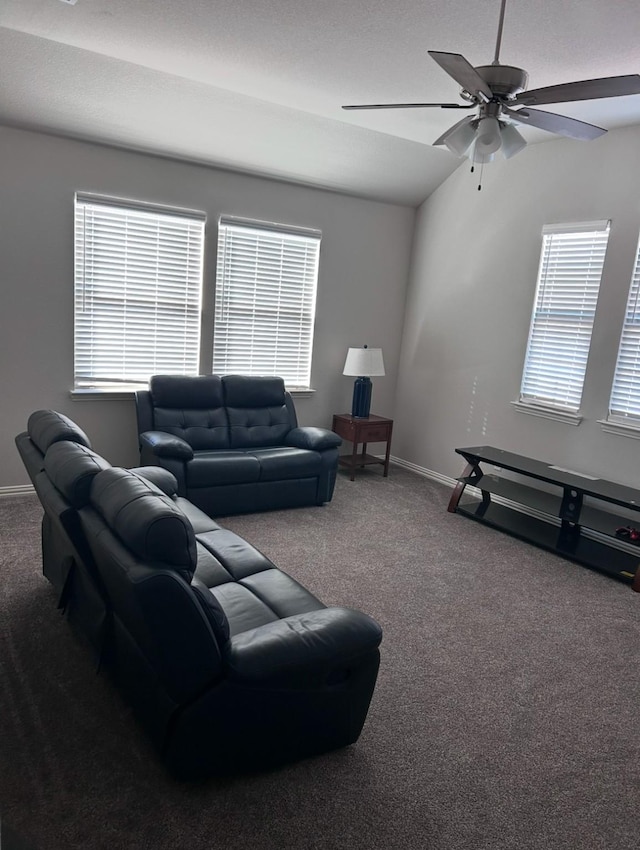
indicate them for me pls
(363, 362)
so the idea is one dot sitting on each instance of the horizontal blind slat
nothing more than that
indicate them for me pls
(138, 281)
(265, 300)
(625, 392)
(571, 262)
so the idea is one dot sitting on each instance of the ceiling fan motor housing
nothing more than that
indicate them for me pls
(504, 80)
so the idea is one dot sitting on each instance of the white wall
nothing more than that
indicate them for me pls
(470, 297)
(361, 289)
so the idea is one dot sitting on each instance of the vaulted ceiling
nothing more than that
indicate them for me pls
(257, 85)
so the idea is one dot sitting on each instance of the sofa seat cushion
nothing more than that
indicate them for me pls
(282, 463)
(237, 557)
(282, 593)
(209, 571)
(218, 468)
(200, 521)
(242, 608)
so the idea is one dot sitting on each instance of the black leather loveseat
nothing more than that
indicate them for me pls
(228, 662)
(233, 443)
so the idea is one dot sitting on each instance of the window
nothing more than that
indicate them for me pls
(138, 282)
(265, 300)
(564, 308)
(624, 406)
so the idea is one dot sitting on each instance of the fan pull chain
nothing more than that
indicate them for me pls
(473, 168)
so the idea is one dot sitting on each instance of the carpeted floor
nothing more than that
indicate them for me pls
(505, 715)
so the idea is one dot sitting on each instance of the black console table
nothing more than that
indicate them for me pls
(581, 503)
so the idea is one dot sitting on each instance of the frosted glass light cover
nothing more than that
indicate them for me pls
(488, 139)
(460, 139)
(512, 141)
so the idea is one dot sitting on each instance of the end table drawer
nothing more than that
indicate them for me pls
(374, 432)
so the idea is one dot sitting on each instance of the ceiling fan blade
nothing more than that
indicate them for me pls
(581, 90)
(463, 73)
(409, 106)
(560, 124)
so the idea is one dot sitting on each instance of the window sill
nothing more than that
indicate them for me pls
(548, 413)
(105, 394)
(622, 429)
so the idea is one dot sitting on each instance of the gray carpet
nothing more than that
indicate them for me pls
(505, 714)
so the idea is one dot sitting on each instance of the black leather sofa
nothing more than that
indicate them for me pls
(233, 443)
(229, 663)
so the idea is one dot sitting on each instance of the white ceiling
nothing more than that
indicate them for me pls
(257, 85)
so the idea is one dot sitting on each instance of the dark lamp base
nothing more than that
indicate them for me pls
(361, 404)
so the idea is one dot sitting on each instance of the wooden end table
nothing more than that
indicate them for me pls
(372, 429)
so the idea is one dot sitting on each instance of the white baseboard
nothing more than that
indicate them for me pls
(515, 506)
(451, 482)
(422, 470)
(17, 490)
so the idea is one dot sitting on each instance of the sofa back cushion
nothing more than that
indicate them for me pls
(191, 408)
(71, 468)
(146, 520)
(46, 427)
(257, 411)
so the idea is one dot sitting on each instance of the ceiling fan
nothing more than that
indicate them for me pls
(496, 91)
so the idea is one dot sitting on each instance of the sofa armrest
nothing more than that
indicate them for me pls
(162, 444)
(303, 647)
(316, 439)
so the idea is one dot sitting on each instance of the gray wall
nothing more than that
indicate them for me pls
(470, 297)
(364, 268)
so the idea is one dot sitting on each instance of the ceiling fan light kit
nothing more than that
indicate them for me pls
(488, 139)
(460, 137)
(496, 91)
(480, 158)
(512, 141)
(480, 139)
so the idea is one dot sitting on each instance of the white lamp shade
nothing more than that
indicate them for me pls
(365, 362)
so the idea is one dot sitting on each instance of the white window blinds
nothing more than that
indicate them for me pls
(564, 308)
(138, 282)
(265, 300)
(624, 405)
